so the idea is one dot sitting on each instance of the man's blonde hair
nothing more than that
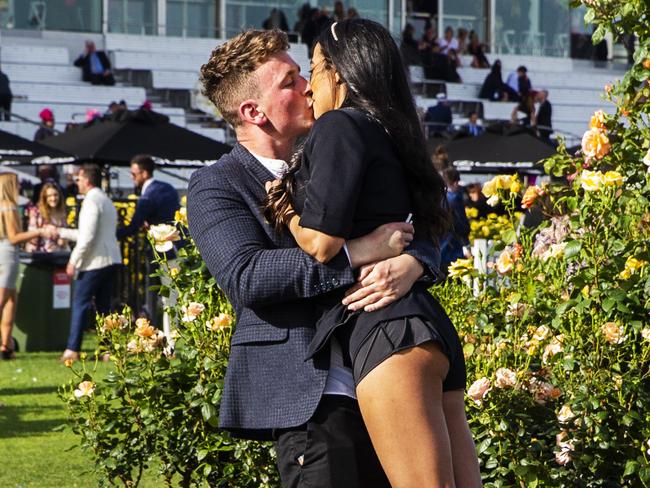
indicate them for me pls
(227, 77)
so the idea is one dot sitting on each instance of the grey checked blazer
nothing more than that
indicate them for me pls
(269, 281)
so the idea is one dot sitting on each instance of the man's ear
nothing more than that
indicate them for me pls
(252, 113)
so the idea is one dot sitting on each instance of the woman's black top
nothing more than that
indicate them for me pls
(350, 182)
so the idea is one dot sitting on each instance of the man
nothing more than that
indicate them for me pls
(270, 390)
(157, 204)
(438, 118)
(544, 115)
(5, 97)
(451, 246)
(472, 127)
(518, 84)
(94, 258)
(95, 66)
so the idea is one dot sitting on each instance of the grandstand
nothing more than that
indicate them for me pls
(165, 70)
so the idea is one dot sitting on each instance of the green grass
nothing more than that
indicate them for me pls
(33, 453)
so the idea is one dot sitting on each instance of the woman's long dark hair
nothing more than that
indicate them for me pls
(368, 62)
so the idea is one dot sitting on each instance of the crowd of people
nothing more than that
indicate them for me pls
(95, 257)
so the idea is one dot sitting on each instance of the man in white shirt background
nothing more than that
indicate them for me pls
(95, 257)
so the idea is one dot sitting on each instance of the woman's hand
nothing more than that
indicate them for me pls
(386, 241)
(49, 232)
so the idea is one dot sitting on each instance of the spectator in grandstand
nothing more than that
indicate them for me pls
(519, 84)
(453, 62)
(318, 21)
(95, 258)
(276, 20)
(493, 87)
(303, 17)
(461, 39)
(448, 41)
(5, 97)
(477, 50)
(451, 245)
(49, 211)
(472, 127)
(409, 46)
(353, 13)
(524, 112)
(543, 117)
(95, 66)
(339, 11)
(46, 128)
(47, 173)
(435, 64)
(428, 38)
(438, 118)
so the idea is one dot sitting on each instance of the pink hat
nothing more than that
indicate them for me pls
(46, 115)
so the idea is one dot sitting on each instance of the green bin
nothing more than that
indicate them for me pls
(44, 302)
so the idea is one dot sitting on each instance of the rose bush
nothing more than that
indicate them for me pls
(556, 330)
(158, 407)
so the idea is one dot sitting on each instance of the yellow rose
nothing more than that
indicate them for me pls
(143, 328)
(85, 388)
(613, 333)
(597, 120)
(490, 187)
(504, 262)
(222, 321)
(634, 264)
(613, 178)
(591, 180)
(460, 268)
(646, 160)
(595, 144)
(471, 212)
(181, 216)
(173, 272)
(515, 187)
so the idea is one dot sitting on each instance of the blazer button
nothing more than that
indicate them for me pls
(335, 281)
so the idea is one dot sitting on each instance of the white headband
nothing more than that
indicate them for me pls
(334, 33)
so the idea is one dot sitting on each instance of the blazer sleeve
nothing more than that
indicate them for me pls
(250, 269)
(80, 61)
(143, 209)
(104, 59)
(88, 223)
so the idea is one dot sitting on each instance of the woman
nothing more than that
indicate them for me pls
(493, 86)
(363, 164)
(475, 48)
(49, 211)
(10, 237)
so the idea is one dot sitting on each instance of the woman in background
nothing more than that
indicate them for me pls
(49, 211)
(10, 237)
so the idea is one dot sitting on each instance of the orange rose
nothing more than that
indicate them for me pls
(646, 63)
(595, 144)
(597, 120)
(530, 195)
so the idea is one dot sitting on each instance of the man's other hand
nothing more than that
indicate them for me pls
(382, 283)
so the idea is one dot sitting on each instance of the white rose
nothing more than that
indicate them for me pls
(164, 235)
(506, 378)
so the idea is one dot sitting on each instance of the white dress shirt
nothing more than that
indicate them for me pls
(97, 246)
(339, 378)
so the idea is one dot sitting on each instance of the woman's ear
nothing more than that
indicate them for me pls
(341, 89)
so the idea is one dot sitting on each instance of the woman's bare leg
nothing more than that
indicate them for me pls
(7, 315)
(463, 451)
(401, 404)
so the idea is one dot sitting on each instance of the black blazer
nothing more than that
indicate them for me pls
(270, 282)
(83, 62)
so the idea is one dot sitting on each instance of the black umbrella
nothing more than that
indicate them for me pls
(498, 150)
(115, 140)
(18, 150)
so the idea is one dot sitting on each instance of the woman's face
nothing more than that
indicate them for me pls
(52, 197)
(327, 94)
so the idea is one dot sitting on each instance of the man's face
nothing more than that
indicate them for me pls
(82, 182)
(138, 176)
(283, 96)
(473, 118)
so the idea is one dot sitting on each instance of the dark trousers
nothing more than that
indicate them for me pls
(102, 79)
(97, 284)
(332, 450)
(5, 106)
